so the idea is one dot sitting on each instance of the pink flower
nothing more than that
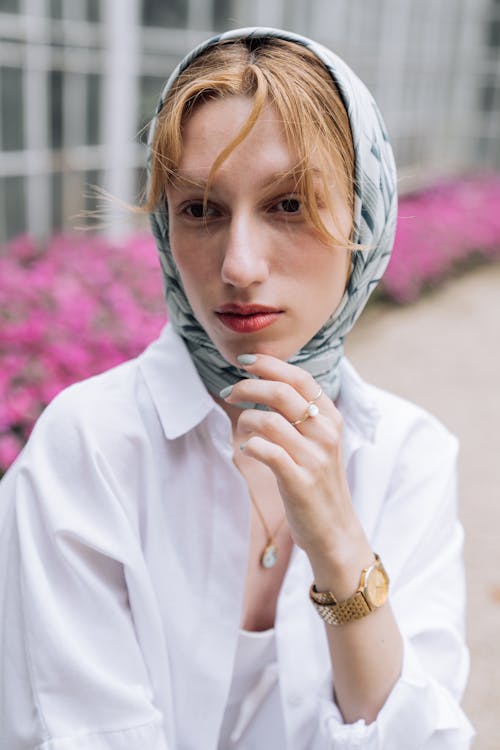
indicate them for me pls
(10, 447)
(440, 228)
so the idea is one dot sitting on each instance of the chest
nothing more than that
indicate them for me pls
(269, 549)
(263, 585)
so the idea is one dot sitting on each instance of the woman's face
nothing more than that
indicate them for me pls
(256, 274)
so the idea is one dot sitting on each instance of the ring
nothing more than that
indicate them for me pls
(320, 393)
(311, 410)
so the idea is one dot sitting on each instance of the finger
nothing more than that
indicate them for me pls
(298, 484)
(279, 396)
(273, 427)
(312, 451)
(305, 442)
(271, 368)
(273, 455)
(284, 399)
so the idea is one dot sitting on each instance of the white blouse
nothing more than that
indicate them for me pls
(253, 708)
(124, 531)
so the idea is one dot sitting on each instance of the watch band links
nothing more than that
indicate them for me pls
(340, 613)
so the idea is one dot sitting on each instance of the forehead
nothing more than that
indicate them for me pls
(214, 126)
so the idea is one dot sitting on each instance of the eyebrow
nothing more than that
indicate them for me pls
(187, 180)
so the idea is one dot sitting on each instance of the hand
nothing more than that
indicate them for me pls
(306, 459)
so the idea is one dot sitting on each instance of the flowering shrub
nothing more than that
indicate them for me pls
(438, 229)
(82, 305)
(68, 311)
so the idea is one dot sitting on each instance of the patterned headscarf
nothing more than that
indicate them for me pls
(375, 205)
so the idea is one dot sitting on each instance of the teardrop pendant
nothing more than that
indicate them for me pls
(269, 556)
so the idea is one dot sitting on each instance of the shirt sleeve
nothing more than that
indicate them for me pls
(72, 673)
(420, 540)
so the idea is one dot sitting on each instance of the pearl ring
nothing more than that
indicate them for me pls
(311, 410)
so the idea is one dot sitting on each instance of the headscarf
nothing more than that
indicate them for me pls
(375, 206)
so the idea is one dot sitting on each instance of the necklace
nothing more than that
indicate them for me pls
(269, 555)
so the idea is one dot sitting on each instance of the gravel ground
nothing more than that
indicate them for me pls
(443, 352)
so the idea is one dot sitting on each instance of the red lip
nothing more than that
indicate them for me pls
(239, 309)
(247, 318)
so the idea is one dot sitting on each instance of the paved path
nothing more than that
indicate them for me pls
(444, 353)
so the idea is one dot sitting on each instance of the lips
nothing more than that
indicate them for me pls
(247, 318)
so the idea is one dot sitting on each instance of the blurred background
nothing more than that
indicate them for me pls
(79, 80)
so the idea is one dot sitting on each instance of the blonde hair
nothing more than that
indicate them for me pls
(298, 86)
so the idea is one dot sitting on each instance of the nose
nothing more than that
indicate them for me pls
(245, 260)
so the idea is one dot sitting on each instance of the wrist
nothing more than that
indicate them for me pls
(337, 568)
(371, 593)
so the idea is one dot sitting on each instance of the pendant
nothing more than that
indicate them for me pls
(269, 556)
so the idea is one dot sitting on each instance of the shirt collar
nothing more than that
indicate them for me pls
(182, 401)
(180, 397)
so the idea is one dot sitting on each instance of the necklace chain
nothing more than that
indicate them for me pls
(269, 555)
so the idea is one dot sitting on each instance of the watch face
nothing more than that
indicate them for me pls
(377, 586)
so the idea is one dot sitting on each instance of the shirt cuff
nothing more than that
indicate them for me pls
(417, 709)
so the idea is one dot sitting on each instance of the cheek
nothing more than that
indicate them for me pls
(331, 268)
(333, 281)
(185, 259)
(195, 276)
(193, 254)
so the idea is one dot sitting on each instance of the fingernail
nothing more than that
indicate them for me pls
(246, 359)
(224, 393)
(243, 446)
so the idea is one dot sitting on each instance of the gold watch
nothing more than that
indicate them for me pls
(371, 593)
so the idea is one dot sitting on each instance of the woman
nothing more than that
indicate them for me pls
(192, 543)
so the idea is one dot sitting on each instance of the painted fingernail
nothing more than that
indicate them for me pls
(243, 446)
(246, 359)
(224, 393)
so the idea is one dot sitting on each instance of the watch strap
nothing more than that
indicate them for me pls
(354, 608)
